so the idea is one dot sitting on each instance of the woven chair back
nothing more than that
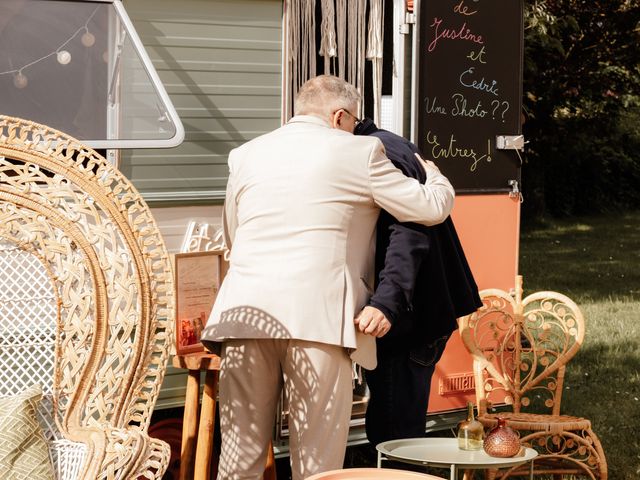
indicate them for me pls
(520, 348)
(86, 291)
(28, 319)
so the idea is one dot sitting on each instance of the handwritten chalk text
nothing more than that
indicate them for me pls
(431, 106)
(477, 56)
(462, 33)
(451, 150)
(504, 106)
(460, 108)
(463, 9)
(478, 85)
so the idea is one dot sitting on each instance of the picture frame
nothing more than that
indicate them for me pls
(198, 276)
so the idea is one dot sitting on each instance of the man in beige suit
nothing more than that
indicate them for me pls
(300, 214)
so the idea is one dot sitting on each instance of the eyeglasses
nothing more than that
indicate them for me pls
(356, 119)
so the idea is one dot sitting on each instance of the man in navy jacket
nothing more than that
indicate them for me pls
(423, 284)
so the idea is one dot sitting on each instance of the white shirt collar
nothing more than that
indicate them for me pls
(309, 119)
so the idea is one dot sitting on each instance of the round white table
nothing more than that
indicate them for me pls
(444, 453)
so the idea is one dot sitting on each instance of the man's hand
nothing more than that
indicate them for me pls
(428, 165)
(372, 321)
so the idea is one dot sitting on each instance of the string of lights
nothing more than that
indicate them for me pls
(63, 57)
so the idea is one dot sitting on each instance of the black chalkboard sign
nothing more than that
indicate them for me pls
(470, 90)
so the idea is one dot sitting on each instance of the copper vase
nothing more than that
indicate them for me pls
(502, 441)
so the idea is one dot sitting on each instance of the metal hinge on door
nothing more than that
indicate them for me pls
(409, 19)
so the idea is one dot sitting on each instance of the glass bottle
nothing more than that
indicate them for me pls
(470, 432)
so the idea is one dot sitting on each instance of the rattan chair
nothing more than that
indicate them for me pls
(520, 349)
(86, 303)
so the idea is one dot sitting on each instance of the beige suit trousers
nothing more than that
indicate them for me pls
(317, 382)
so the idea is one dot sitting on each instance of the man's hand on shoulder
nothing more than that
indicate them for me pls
(372, 321)
(427, 165)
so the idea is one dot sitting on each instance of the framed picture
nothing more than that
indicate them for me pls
(198, 278)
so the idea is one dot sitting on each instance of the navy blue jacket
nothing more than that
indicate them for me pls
(423, 280)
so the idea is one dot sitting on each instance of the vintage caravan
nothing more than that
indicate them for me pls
(166, 88)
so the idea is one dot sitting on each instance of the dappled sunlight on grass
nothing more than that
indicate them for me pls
(596, 262)
(603, 382)
(585, 258)
(563, 229)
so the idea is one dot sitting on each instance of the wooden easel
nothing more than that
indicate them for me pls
(196, 455)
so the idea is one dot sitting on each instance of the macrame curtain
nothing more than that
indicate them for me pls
(346, 42)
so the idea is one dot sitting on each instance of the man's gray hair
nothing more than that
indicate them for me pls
(325, 94)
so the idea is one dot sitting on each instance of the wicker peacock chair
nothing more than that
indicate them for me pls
(520, 349)
(86, 303)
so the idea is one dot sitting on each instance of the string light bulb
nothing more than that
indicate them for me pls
(88, 39)
(20, 80)
(64, 57)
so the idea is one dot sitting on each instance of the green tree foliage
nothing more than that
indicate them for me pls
(582, 106)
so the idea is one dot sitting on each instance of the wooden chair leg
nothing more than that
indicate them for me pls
(270, 468)
(490, 474)
(602, 472)
(190, 425)
(207, 423)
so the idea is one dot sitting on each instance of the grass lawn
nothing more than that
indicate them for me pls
(596, 262)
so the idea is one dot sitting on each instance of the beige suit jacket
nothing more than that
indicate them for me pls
(299, 217)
